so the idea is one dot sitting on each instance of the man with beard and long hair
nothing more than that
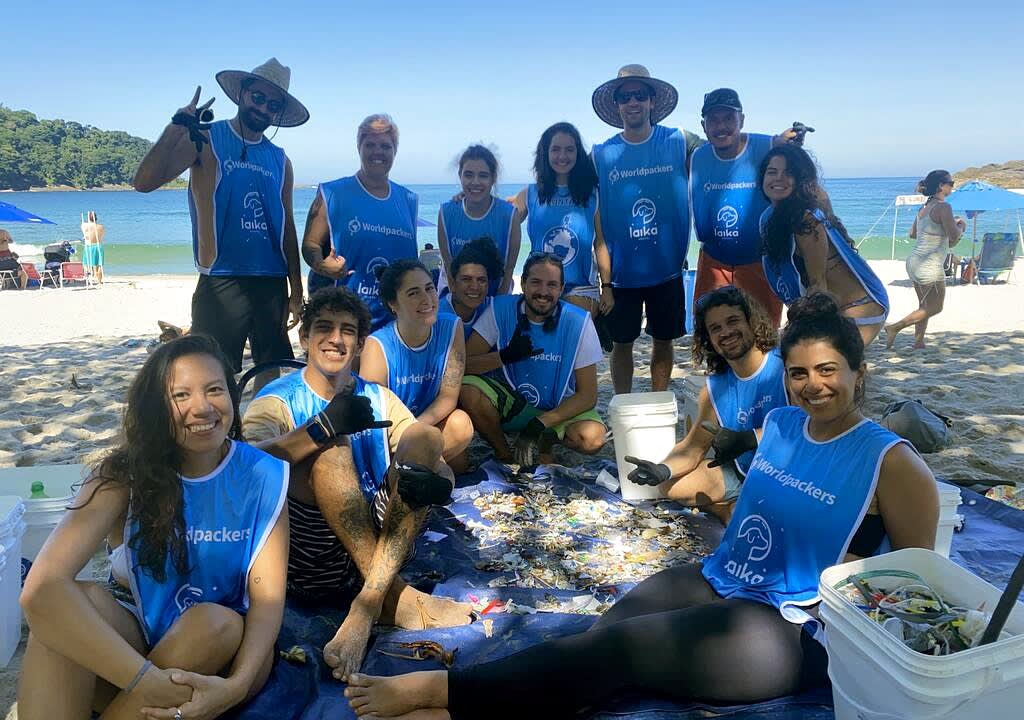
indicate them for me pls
(736, 341)
(240, 200)
(546, 352)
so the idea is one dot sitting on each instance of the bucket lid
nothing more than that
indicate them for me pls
(642, 403)
(12, 509)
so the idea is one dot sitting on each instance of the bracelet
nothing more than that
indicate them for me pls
(138, 676)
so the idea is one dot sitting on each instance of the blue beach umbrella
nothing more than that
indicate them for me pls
(9, 213)
(420, 222)
(975, 197)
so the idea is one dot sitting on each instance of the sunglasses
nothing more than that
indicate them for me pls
(544, 256)
(259, 98)
(624, 96)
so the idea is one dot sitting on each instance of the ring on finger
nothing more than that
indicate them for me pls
(177, 714)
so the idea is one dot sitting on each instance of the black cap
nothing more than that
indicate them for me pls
(722, 97)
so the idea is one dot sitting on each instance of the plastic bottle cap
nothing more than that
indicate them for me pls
(38, 490)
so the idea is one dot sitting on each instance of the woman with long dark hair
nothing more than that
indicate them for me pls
(825, 483)
(188, 623)
(807, 248)
(936, 231)
(560, 210)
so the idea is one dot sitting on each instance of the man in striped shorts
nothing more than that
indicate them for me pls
(364, 473)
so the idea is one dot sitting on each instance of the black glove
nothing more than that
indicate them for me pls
(519, 348)
(201, 121)
(647, 473)
(419, 486)
(526, 443)
(729, 444)
(347, 414)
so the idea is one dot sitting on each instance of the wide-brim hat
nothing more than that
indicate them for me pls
(665, 96)
(278, 75)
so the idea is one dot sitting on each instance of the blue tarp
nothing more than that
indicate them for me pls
(993, 534)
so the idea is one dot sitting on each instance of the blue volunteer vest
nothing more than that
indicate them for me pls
(787, 277)
(229, 515)
(800, 507)
(444, 307)
(369, 232)
(563, 228)
(248, 213)
(460, 228)
(645, 213)
(727, 203)
(370, 450)
(545, 379)
(742, 403)
(414, 374)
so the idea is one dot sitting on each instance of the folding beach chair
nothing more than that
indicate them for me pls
(72, 272)
(997, 253)
(35, 279)
(8, 276)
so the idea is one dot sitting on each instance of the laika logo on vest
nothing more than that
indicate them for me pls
(727, 218)
(756, 534)
(529, 392)
(645, 210)
(186, 597)
(562, 241)
(253, 202)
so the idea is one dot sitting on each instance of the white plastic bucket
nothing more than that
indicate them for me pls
(643, 425)
(42, 515)
(12, 529)
(877, 677)
(949, 501)
(692, 385)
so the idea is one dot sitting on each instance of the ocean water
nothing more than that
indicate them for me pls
(151, 234)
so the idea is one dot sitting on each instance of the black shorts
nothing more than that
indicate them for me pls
(666, 311)
(231, 309)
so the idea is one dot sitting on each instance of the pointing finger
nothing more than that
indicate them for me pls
(631, 459)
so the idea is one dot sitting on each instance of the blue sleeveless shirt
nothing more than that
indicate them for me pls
(727, 203)
(787, 277)
(229, 514)
(248, 213)
(563, 228)
(415, 374)
(368, 232)
(460, 228)
(644, 205)
(742, 403)
(370, 449)
(545, 379)
(444, 307)
(800, 507)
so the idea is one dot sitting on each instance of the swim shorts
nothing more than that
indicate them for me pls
(712, 275)
(665, 306)
(92, 255)
(514, 410)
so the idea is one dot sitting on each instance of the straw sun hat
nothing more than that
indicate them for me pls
(665, 96)
(278, 75)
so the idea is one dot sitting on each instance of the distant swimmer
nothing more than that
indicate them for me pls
(644, 219)
(421, 356)
(727, 203)
(936, 231)
(359, 223)
(92, 254)
(546, 353)
(475, 213)
(240, 198)
(807, 248)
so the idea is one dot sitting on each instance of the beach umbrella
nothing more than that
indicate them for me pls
(975, 197)
(420, 222)
(9, 213)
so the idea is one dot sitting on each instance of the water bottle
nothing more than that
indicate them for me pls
(37, 491)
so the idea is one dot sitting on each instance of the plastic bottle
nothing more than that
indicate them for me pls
(37, 491)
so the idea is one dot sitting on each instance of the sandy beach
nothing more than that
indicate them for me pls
(69, 354)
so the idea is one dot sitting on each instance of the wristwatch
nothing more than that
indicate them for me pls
(317, 432)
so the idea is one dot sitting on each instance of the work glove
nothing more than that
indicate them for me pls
(527, 442)
(729, 444)
(519, 348)
(348, 413)
(647, 473)
(419, 486)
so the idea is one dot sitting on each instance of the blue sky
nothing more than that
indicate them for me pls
(894, 89)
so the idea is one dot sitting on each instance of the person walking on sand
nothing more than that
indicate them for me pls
(92, 253)
(240, 200)
(936, 231)
(643, 219)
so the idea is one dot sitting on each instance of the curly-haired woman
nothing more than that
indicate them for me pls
(186, 628)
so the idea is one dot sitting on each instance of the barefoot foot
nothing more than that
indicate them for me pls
(417, 611)
(891, 331)
(399, 695)
(345, 652)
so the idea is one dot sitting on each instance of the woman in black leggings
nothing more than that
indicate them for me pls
(825, 483)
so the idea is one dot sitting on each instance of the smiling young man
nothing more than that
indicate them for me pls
(240, 199)
(546, 351)
(364, 473)
(644, 220)
(727, 203)
(735, 341)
